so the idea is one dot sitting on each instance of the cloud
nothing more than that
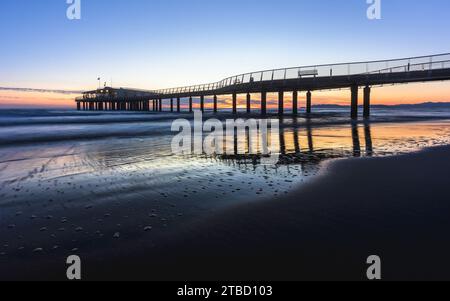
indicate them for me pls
(41, 90)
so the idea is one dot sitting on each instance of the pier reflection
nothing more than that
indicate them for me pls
(304, 144)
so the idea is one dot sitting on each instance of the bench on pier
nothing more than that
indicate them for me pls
(303, 73)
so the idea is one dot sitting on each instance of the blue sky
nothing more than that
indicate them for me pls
(162, 43)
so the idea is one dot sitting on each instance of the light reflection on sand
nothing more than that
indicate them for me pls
(140, 183)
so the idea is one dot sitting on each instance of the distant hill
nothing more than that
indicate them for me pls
(425, 105)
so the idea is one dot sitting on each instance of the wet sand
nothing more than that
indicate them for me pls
(395, 207)
(133, 210)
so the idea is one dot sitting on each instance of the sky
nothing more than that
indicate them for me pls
(153, 44)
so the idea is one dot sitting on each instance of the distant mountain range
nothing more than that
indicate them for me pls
(425, 105)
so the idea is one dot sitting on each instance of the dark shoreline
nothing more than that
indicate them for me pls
(394, 207)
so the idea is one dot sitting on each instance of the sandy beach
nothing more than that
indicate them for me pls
(132, 210)
(394, 207)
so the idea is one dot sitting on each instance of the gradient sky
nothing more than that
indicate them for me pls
(153, 44)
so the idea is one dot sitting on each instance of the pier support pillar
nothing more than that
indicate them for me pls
(178, 105)
(234, 103)
(78, 106)
(160, 105)
(308, 102)
(367, 91)
(202, 103)
(215, 103)
(354, 102)
(295, 102)
(280, 103)
(263, 103)
(249, 103)
(171, 105)
(190, 104)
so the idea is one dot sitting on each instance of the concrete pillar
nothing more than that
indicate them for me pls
(171, 105)
(178, 105)
(202, 103)
(308, 102)
(354, 102)
(190, 104)
(263, 103)
(367, 91)
(249, 103)
(215, 103)
(295, 102)
(234, 103)
(160, 105)
(280, 103)
(78, 106)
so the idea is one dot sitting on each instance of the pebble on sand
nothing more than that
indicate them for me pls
(38, 250)
(116, 235)
(148, 228)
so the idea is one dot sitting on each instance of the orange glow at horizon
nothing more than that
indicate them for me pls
(36, 99)
(387, 95)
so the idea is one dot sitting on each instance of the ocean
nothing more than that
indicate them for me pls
(69, 179)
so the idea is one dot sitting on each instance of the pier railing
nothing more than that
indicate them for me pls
(420, 63)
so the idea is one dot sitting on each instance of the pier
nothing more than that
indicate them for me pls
(307, 79)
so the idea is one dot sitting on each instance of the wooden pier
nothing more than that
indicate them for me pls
(352, 76)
